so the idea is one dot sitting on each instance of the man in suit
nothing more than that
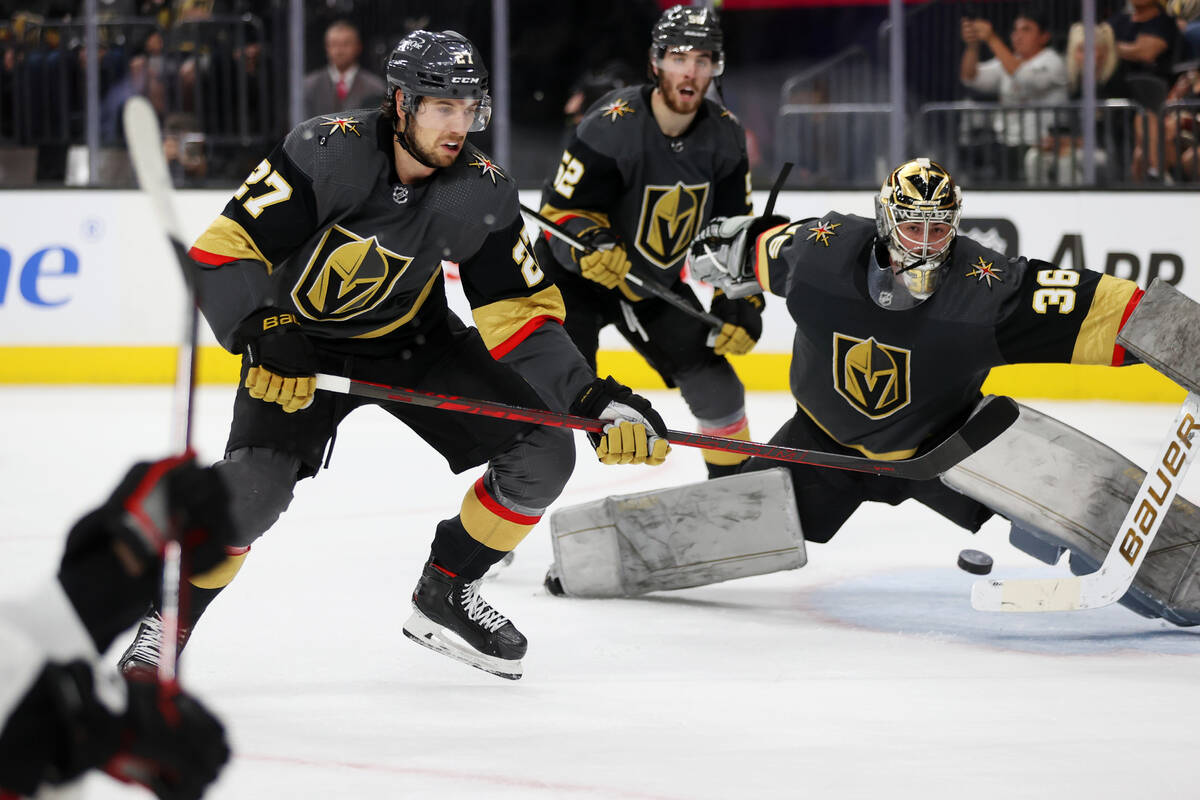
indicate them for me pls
(341, 85)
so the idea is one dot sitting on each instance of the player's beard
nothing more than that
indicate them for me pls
(675, 101)
(429, 156)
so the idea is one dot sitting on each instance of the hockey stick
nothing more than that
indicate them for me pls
(649, 286)
(145, 151)
(1129, 548)
(776, 187)
(992, 418)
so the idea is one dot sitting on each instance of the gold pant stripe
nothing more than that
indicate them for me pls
(488, 527)
(721, 458)
(221, 575)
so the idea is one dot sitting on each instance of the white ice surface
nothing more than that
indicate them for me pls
(864, 675)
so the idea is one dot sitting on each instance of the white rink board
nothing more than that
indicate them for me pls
(91, 268)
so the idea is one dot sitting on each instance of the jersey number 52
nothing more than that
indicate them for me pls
(569, 173)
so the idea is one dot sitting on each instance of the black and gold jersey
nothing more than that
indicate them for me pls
(884, 381)
(620, 171)
(323, 228)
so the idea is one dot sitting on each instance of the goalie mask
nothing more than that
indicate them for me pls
(916, 214)
(439, 64)
(681, 29)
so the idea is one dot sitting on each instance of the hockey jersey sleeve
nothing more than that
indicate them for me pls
(1066, 316)
(769, 259)
(585, 184)
(512, 301)
(270, 215)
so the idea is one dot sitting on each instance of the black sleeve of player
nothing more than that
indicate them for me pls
(731, 195)
(494, 273)
(1042, 319)
(276, 206)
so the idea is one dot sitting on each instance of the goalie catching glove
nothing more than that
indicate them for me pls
(608, 263)
(722, 254)
(283, 363)
(743, 323)
(636, 435)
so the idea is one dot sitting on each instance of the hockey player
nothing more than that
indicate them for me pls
(61, 713)
(898, 321)
(646, 168)
(328, 259)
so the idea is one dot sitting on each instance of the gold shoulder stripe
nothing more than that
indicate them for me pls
(224, 237)
(1098, 334)
(499, 321)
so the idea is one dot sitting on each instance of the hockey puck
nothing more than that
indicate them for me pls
(975, 562)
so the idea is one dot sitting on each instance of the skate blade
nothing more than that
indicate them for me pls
(428, 633)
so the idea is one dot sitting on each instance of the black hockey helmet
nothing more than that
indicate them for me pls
(439, 64)
(688, 28)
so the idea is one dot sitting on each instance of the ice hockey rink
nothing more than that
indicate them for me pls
(866, 674)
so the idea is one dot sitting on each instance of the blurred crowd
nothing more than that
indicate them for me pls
(995, 87)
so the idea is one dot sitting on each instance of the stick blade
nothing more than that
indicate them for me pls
(1033, 594)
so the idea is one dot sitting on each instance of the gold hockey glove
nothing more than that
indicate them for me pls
(283, 364)
(743, 323)
(608, 264)
(636, 435)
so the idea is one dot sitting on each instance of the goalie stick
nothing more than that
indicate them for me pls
(1129, 548)
(991, 419)
(145, 151)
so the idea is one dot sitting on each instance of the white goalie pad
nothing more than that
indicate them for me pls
(1071, 491)
(675, 538)
(1164, 332)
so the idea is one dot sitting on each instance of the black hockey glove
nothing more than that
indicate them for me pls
(743, 323)
(608, 264)
(171, 743)
(111, 569)
(58, 731)
(636, 433)
(283, 363)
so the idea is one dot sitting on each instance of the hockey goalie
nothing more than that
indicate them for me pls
(898, 321)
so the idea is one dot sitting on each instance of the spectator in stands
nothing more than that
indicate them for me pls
(183, 147)
(1181, 151)
(341, 85)
(1146, 42)
(1059, 158)
(1029, 73)
(1187, 16)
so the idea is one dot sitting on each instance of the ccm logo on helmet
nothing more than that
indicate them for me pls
(457, 79)
(1172, 461)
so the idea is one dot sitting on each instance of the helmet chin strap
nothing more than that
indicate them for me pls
(404, 138)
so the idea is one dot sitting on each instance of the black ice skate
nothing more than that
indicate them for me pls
(451, 618)
(140, 661)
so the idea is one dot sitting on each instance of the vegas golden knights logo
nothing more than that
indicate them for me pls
(346, 276)
(871, 376)
(671, 217)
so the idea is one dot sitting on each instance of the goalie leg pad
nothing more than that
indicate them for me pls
(1063, 489)
(674, 538)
